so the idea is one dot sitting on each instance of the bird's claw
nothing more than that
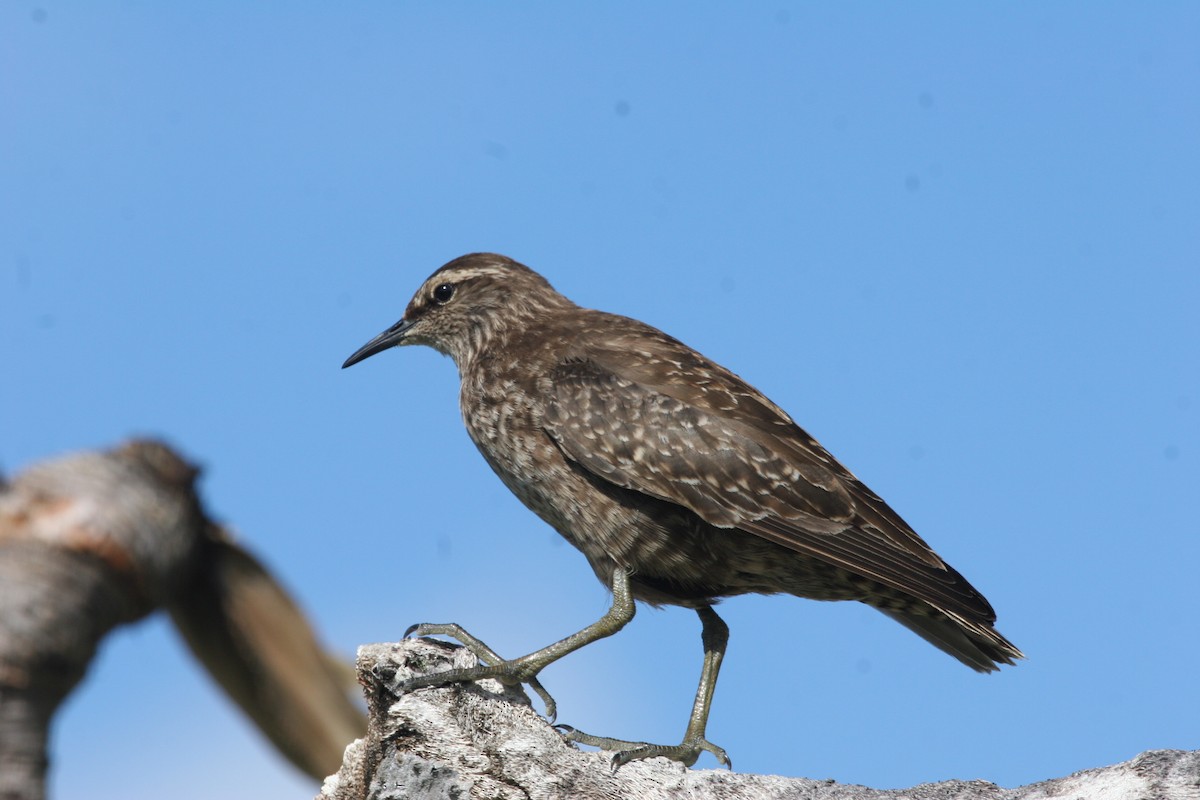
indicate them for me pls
(472, 674)
(547, 701)
(686, 752)
(509, 672)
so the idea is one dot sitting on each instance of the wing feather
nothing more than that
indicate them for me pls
(666, 422)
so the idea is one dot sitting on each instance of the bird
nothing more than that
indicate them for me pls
(679, 482)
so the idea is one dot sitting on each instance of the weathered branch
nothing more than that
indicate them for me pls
(486, 741)
(96, 540)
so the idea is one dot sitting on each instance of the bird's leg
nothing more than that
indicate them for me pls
(526, 668)
(715, 636)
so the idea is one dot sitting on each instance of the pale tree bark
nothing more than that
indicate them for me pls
(484, 741)
(95, 540)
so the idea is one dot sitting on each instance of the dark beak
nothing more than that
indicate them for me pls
(389, 338)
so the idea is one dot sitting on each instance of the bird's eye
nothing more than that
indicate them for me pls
(443, 293)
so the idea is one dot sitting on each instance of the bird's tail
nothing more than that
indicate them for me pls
(978, 645)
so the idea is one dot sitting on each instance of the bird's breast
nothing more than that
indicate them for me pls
(504, 419)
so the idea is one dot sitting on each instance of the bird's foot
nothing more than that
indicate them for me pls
(510, 672)
(686, 752)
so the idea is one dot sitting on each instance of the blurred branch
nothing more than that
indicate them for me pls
(484, 740)
(254, 640)
(95, 540)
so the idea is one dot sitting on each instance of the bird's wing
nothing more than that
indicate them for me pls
(664, 421)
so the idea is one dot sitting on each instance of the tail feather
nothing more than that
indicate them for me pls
(979, 646)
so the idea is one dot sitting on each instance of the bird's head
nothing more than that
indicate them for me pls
(460, 309)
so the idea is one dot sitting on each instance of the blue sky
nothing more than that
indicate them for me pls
(959, 243)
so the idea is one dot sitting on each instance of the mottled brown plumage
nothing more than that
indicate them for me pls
(665, 467)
